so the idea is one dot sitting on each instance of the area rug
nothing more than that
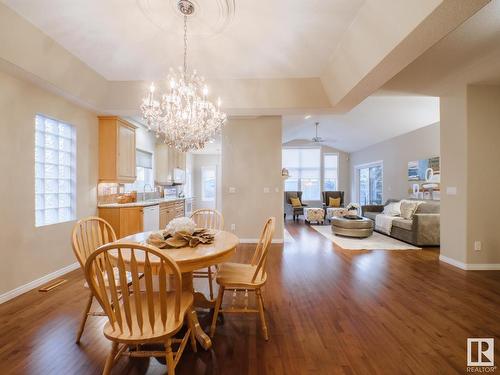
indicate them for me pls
(376, 241)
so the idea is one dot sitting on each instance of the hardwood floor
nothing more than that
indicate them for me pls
(329, 311)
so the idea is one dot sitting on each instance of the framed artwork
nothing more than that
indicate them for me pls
(417, 168)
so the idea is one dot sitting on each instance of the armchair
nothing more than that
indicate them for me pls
(333, 194)
(289, 209)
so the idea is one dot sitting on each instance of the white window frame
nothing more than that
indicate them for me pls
(205, 169)
(42, 181)
(379, 163)
(139, 185)
(320, 177)
(324, 169)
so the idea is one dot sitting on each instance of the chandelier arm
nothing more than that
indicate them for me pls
(185, 45)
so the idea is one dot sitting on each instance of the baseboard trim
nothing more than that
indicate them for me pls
(255, 240)
(452, 261)
(470, 266)
(36, 283)
(483, 267)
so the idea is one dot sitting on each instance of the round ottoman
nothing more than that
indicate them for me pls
(352, 228)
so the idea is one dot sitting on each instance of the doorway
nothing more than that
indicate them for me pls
(369, 183)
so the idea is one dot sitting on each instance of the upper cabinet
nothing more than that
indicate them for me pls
(162, 176)
(166, 160)
(116, 150)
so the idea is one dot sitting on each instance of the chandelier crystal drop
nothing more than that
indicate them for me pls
(183, 117)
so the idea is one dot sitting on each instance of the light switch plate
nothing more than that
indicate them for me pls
(266, 190)
(277, 189)
(232, 189)
(477, 246)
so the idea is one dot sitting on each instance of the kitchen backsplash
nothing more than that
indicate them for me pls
(109, 192)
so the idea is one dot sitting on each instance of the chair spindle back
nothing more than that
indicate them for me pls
(136, 313)
(208, 218)
(260, 255)
(89, 234)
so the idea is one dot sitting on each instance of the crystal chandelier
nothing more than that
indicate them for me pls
(183, 117)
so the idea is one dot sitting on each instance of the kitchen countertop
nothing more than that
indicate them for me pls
(149, 202)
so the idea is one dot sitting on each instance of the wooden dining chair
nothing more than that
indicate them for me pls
(147, 312)
(89, 234)
(209, 219)
(246, 277)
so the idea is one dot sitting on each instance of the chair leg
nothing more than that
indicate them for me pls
(111, 359)
(191, 326)
(210, 286)
(84, 318)
(170, 357)
(218, 303)
(261, 314)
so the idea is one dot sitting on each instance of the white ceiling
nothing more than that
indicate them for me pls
(376, 119)
(468, 55)
(141, 39)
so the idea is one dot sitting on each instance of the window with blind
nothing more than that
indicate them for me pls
(144, 172)
(55, 171)
(330, 172)
(304, 166)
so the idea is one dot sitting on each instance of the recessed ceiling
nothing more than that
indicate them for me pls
(468, 55)
(141, 39)
(376, 119)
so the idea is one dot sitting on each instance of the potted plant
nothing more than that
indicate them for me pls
(352, 209)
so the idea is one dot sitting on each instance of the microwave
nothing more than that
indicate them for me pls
(179, 176)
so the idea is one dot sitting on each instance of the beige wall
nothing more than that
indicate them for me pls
(454, 174)
(483, 173)
(470, 118)
(29, 253)
(251, 161)
(31, 53)
(395, 154)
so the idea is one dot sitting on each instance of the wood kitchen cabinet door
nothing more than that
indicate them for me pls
(131, 221)
(165, 214)
(126, 152)
(116, 150)
(163, 174)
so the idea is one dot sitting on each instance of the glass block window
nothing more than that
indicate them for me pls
(55, 171)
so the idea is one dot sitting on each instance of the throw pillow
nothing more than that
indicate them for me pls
(295, 202)
(408, 208)
(392, 209)
(333, 202)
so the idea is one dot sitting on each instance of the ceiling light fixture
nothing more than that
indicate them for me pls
(307, 117)
(183, 117)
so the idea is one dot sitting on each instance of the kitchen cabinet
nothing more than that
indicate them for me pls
(130, 220)
(124, 220)
(116, 150)
(166, 159)
(169, 211)
(163, 175)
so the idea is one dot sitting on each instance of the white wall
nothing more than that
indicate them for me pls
(27, 252)
(395, 154)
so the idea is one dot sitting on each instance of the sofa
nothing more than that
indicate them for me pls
(422, 230)
(289, 209)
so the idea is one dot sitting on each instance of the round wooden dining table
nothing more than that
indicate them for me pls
(189, 259)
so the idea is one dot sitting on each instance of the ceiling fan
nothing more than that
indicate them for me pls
(317, 140)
